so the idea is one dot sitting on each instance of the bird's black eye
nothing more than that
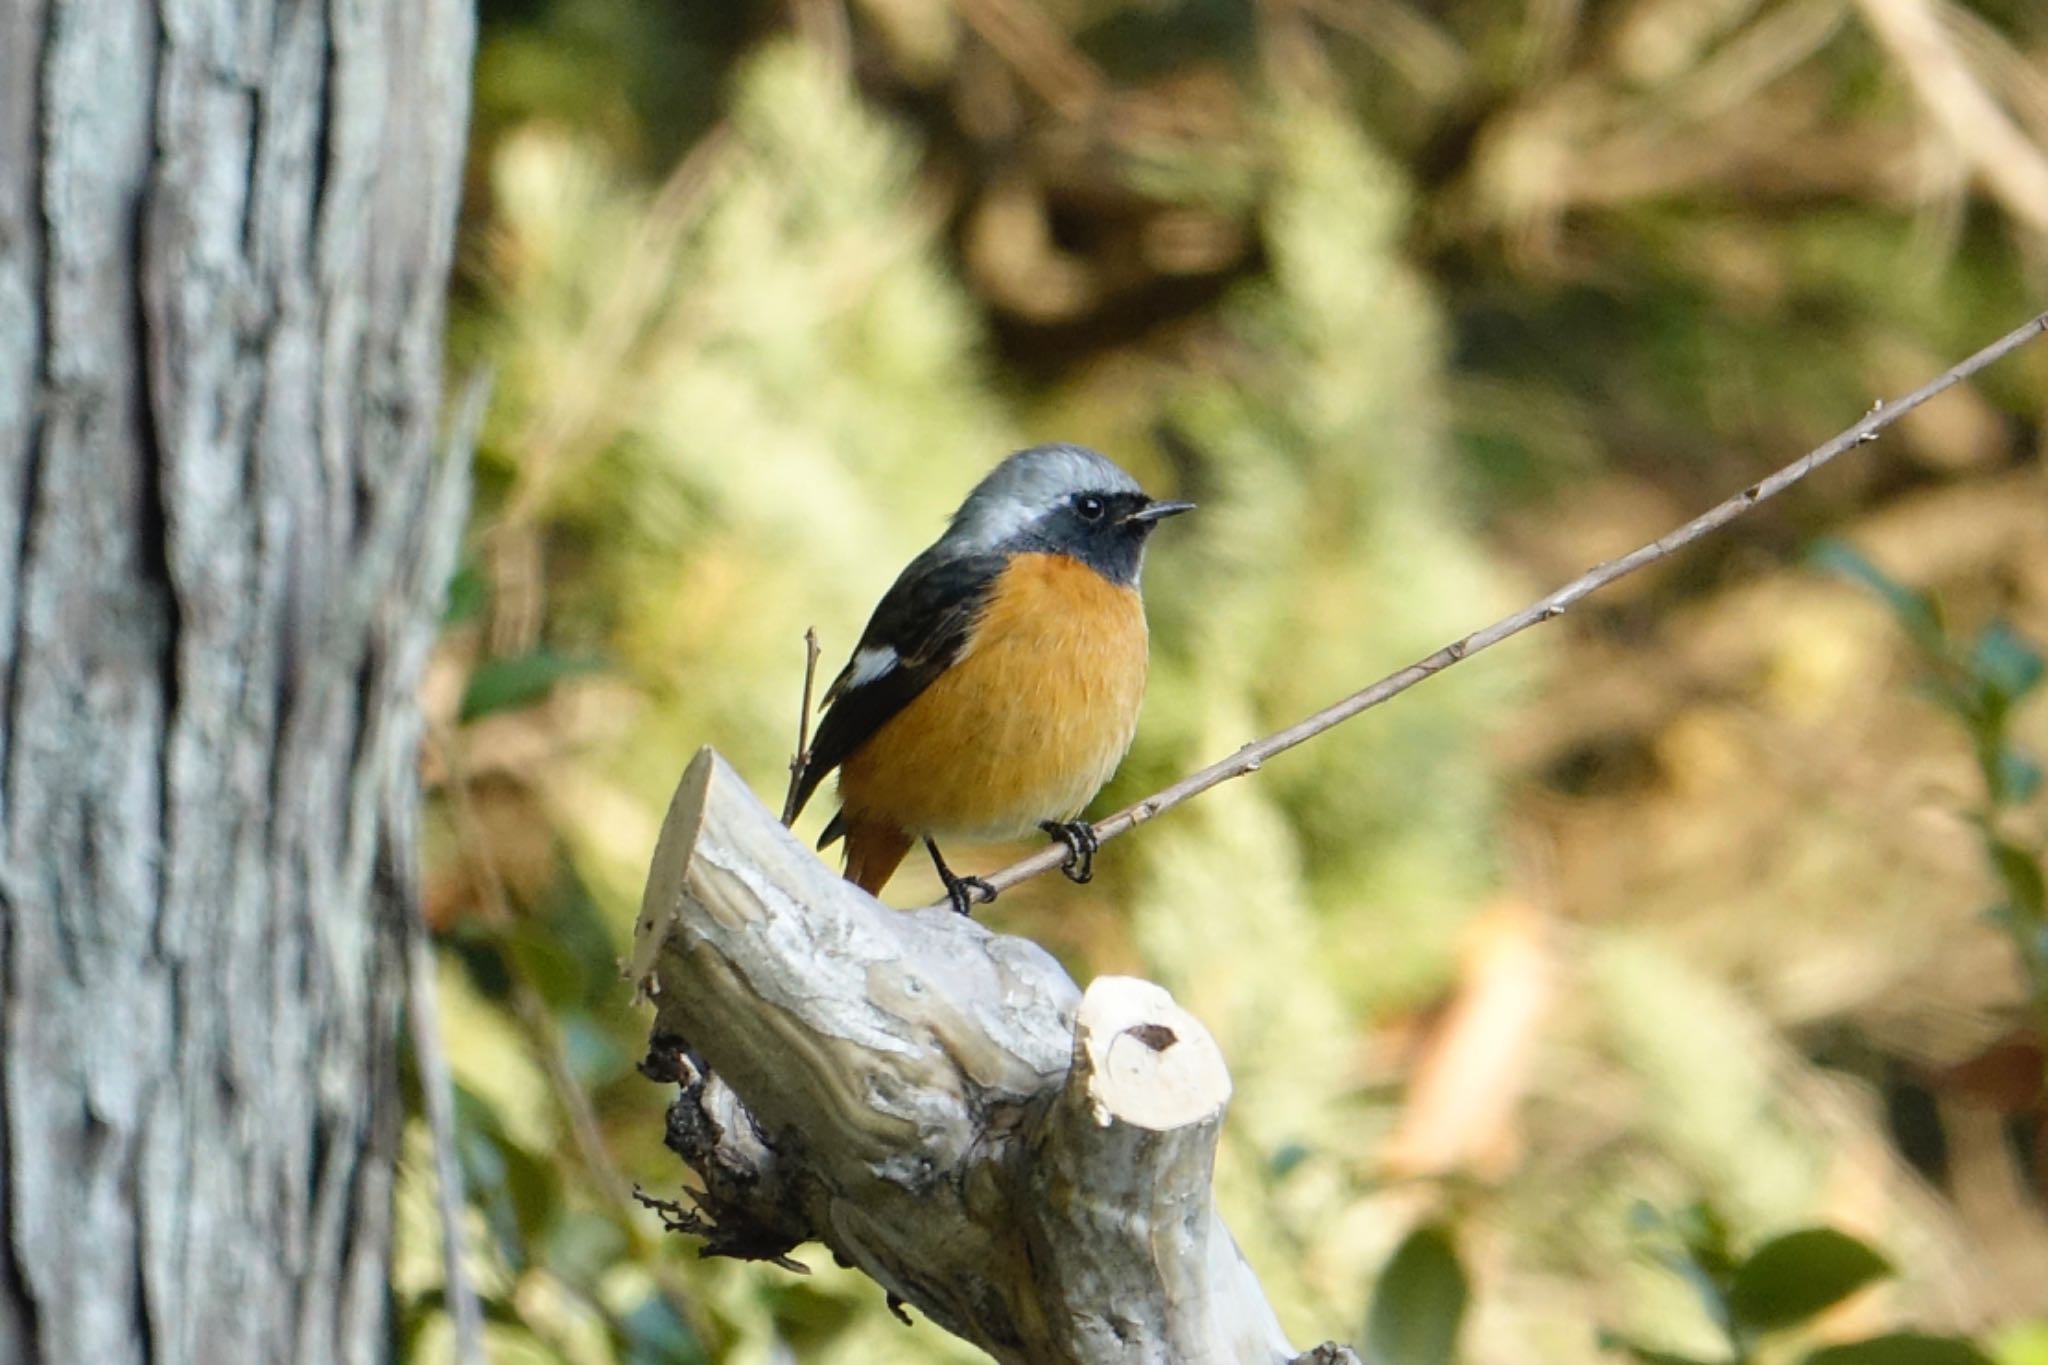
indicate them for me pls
(1089, 506)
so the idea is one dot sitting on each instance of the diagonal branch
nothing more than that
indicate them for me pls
(1251, 756)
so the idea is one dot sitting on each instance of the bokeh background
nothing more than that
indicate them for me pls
(1430, 304)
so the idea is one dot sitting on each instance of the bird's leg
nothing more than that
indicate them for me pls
(1079, 837)
(959, 890)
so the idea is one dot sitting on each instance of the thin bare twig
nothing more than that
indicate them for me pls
(802, 758)
(823, 23)
(436, 1089)
(1972, 122)
(423, 1011)
(537, 1024)
(1035, 48)
(527, 1005)
(1251, 756)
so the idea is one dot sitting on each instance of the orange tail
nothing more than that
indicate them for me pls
(873, 850)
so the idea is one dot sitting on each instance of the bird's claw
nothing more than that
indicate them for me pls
(959, 890)
(964, 892)
(1079, 837)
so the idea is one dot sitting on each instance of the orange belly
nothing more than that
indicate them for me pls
(1026, 726)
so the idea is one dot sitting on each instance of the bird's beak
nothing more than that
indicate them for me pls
(1159, 511)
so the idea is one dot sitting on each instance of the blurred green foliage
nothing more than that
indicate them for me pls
(1775, 1290)
(1419, 1303)
(1979, 683)
(1429, 305)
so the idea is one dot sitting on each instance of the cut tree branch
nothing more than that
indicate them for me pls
(938, 1104)
(1251, 756)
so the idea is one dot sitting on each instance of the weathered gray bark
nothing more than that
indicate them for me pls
(225, 233)
(939, 1105)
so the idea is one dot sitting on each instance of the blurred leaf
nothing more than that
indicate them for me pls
(574, 924)
(425, 1309)
(2023, 1344)
(535, 1188)
(1645, 1217)
(656, 1335)
(545, 964)
(1915, 611)
(468, 594)
(518, 1191)
(594, 1055)
(1285, 1158)
(1790, 1278)
(1419, 1302)
(1702, 1257)
(415, 1315)
(1645, 1355)
(1902, 1348)
(2017, 775)
(808, 1314)
(2002, 660)
(483, 960)
(1711, 1290)
(582, 1245)
(1705, 1233)
(520, 680)
(2020, 870)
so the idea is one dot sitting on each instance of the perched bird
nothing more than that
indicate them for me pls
(997, 685)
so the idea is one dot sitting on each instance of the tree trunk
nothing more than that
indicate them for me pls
(225, 233)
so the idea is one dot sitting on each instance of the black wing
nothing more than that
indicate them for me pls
(923, 621)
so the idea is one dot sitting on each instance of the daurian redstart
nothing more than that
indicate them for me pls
(997, 685)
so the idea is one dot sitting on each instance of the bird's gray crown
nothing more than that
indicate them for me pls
(1026, 486)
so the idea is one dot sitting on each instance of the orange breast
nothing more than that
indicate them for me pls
(1027, 725)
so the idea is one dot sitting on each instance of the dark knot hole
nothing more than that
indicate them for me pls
(1158, 1037)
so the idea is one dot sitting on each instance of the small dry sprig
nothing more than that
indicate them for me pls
(802, 758)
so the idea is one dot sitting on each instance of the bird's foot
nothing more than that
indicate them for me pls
(963, 892)
(966, 892)
(1079, 837)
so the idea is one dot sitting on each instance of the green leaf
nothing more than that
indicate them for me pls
(520, 680)
(2017, 777)
(2025, 884)
(533, 1184)
(545, 965)
(2024, 1343)
(1705, 1234)
(468, 595)
(1915, 610)
(582, 1246)
(1790, 1278)
(657, 1335)
(508, 1185)
(1707, 1286)
(1644, 1355)
(1902, 1348)
(593, 1054)
(2004, 661)
(1283, 1161)
(1418, 1304)
(1644, 1218)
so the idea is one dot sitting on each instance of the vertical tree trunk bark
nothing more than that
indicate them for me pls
(225, 232)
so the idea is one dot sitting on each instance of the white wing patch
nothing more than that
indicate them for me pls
(870, 664)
